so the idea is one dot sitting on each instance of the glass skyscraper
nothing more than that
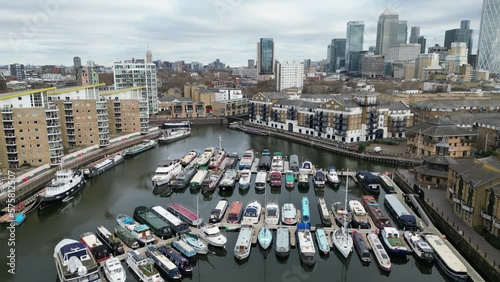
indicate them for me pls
(488, 57)
(265, 58)
(390, 31)
(354, 39)
(462, 34)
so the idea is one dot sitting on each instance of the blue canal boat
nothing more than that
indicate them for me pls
(305, 210)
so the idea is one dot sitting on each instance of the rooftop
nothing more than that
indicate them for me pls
(174, 99)
(117, 91)
(274, 95)
(456, 104)
(440, 127)
(9, 95)
(478, 171)
(76, 88)
(435, 159)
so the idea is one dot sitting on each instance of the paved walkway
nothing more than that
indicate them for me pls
(438, 198)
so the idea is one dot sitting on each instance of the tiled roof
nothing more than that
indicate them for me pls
(440, 127)
(478, 171)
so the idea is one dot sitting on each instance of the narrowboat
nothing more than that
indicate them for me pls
(447, 260)
(361, 247)
(324, 213)
(197, 180)
(183, 179)
(163, 264)
(176, 225)
(184, 249)
(185, 214)
(103, 165)
(144, 146)
(156, 224)
(387, 184)
(126, 237)
(403, 218)
(235, 212)
(375, 212)
(305, 210)
(369, 182)
(383, 260)
(112, 242)
(182, 263)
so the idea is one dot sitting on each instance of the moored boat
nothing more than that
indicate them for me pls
(165, 172)
(243, 243)
(140, 232)
(340, 236)
(183, 178)
(74, 262)
(361, 247)
(195, 242)
(198, 178)
(176, 258)
(185, 214)
(231, 161)
(401, 215)
(359, 216)
(294, 163)
(252, 212)
(163, 264)
(324, 213)
(228, 180)
(289, 214)
(245, 177)
(211, 234)
(289, 179)
(136, 150)
(369, 182)
(212, 180)
(272, 213)
(303, 179)
(332, 176)
(277, 163)
(95, 246)
(108, 239)
(173, 135)
(421, 249)
(307, 251)
(319, 179)
(265, 237)
(219, 211)
(205, 157)
(375, 212)
(103, 165)
(261, 180)
(247, 159)
(185, 249)
(217, 159)
(188, 158)
(306, 218)
(447, 260)
(127, 237)
(391, 238)
(235, 212)
(383, 260)
(321, 239)
(340, 214)
(114, 271)
(65, 184)
(265, 161)
(275, 177)
(307, 167)
(387, 184)
(282, 242)
(145, 215)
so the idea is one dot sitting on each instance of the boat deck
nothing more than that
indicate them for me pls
(91, 165)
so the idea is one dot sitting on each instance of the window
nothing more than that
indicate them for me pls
(22, 138)
(39, 160)
(37, 138)
(20, 130)
(36, 122)
(36, 129)
(20, 122)
(19, 98)
(38, 145)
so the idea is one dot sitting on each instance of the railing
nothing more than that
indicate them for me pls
(467, 208)
(486, 216)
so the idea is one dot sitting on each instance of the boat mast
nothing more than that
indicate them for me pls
(345, 206)
(220, 142)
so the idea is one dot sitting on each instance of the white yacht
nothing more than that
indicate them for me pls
(247, 160)
(211, 234)
(114, 270)
(289, 214)
(243, 243)
(421, 249)
(332, 176)
(272, 215)
(74, 262)
(188, 158)
(173, 135)
(206, 156)
(277, 163)
(245, 177)
(252, 212)
(143, 267)
(65, 184)
(307, 167)
(165, 172)
(340, 236)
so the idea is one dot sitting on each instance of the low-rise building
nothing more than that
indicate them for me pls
(488, 130)
(423, 138)
(182, 107)
(228, 94)
(473, 191)
(234, 107)
(434, 171)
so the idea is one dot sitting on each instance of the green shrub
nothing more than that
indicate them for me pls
(479, 229)
(493, 240)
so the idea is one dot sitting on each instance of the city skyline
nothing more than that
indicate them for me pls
(174, 30)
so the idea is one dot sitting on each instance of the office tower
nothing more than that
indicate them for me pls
(415, 37)
(77, 62)
(402, 32)
(17, 71)
(354, 38)
(390, 31)
(440, 50)
(329, 56)
(265, 59)
(403, 52)
(457, 56)
(337, 55)
(488, 57)
(355, 61)
(372, 49)
(251, 64)
(307, 65)
(289, 74)
(423, 61)
(462, 34)
(136, 73)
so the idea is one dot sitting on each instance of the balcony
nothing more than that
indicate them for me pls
(13, 159)
(10, 136)
(7, 118)
(8, 127)
(496, 223)
(67, 101)
(7, 109)
(71, 140)
(53, 124)
(50, 108)
(486, 216)
(68, 114)
(456, 200)
(11, 152)
(10, 144)
(467, 208)
(54, 140)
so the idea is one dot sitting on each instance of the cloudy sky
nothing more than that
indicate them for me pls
(54, 31)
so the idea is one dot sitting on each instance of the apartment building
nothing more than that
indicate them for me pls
(127, 112)
(182, 107)
(233, 107)
(84, 116)
(473, 190)
(488, 130)
(424, 137)
(347, 118)
(30, 129)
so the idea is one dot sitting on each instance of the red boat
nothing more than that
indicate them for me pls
(96, 247)
(235, 212)
(276, 179)
(375, 211)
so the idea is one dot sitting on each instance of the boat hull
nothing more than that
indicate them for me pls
(163, 141)
(56, 199)
(129, 155)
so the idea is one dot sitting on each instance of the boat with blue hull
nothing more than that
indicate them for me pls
(195, 242)
(247, 160)
(403, 218)
(393, 243)
(322, 240)
(368, 181)
(163, 264)
(305, 210)
(182, 263)
(184, 249)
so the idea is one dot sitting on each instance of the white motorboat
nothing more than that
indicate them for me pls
(332, 176)
(143, 267)
(421, 249)
(307, 251)
(245, 178)
(307, 167)
(74, 262)
(173, 135)
(165, 172)
(228, 179)
(206, 156)
(272, 214)
(114, 270)
(247, 160)
(188, 158)
(340, 236)
(211, 234)
(289, 214)
(243, 243)
(252, 212)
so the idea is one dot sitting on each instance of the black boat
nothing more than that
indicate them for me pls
(145, 215)
(108, 239)
(144, 146)
(265, 160)
(63, 187)
(102, 166)
(182, 180)
(369, 182)
(163, 264)
(181, 262)
(361, 247)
